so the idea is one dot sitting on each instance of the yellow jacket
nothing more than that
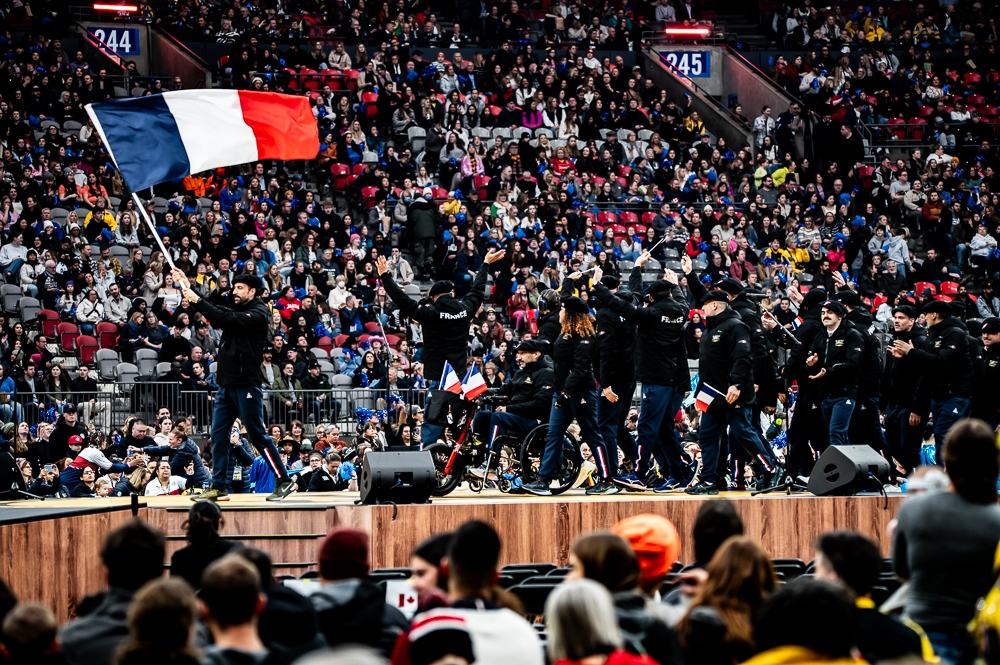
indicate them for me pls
(108, 218)
(796, 655)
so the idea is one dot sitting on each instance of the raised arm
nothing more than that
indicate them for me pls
(474, 299)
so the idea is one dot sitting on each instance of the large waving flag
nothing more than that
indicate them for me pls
(473, 385)
(158, 138)
(449, 380)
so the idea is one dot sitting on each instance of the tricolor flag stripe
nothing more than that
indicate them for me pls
(195, 130)
(706, 395)
(473, 385)
(449, 380)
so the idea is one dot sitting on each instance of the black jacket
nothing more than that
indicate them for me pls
(355, 611)
(765, 367)
(724, 357)
(549, 328)
(244, 336)
(987, 397)
(902, 384)
(530, 391)
(615, 345)
(661, 357)
(946, 364)
(321, 480)
(445, 323)
(840, 354)
(882, 638)
(796, 368)
(871, 365)
(59, 440)
(572, 358)
(641, 627)
(189, 563)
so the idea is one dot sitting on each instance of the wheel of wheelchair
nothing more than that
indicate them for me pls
(532, 449)
(446, 483)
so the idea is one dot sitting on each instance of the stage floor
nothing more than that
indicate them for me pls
(66, 533)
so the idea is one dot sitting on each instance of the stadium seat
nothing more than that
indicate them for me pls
(107, 335)
(146, 360)
(340, 173)
(628, 218)
(107, 360)
(126, 374)
(67, 334)
(949, 288)
(605, 218)
(920, 287)
(947, 297)
(86, 347)
(48, 319)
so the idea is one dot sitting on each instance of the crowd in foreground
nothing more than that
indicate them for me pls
(625, 598)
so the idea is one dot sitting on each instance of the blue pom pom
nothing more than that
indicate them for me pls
(780, 441)
(770, 61)
(363, 415)
(346, 469)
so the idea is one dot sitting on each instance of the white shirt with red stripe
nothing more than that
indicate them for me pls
(175, 486)
(499, 636)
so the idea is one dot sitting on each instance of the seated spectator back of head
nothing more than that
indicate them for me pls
(972, 461)
(812, 614)
(161, 622)
(230, 590)
(473, 557)
(133, 555)
(716, 522)
(29, 634)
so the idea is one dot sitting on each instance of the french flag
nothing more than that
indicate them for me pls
(473, 385)
(157, 138)
(706, 395)
(449, 380)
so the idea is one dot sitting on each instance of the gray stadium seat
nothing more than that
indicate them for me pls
(126, 373)
(146, 360)
(107, 361)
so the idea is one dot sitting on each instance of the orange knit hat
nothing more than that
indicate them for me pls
(654, 540)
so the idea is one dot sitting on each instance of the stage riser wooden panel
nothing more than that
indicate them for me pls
(57, 562)
(545, 530)
(281, 550)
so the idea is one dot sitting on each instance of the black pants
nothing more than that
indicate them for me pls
(807, 426)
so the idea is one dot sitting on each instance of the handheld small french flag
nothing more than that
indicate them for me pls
(473, 385)
(706, 395)
(449, 380)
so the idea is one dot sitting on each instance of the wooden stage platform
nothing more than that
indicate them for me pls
(49, 551)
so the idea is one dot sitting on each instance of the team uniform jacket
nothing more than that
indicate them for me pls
(530, 391)
(946, 363)
(244, 336)
(840, 354)
(725, 357)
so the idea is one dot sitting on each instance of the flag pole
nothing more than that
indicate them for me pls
(152, 227)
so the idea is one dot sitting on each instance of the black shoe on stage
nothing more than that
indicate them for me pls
(702, 488)
(603, 487)
(538, 488)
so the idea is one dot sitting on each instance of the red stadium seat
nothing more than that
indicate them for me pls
(373, 327)
(898, 128)
(647, 217)
(879, 301)
(947, 297)
(368, 194)
(86, 347)
(628, 218)
(67, 334)
(925, 111)
(975, 100)
(949, 288)
(325, 343)
(989, 111)
(598, 181)
(920, 287)
(866, 176)
(107, 334)
(340, 173)
(972, 79)
(917, 131)
(49, 319)
(392, 340)
(606, 218)
(340, 339)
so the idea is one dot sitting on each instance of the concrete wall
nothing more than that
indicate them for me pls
(718, 120)
(173, 58)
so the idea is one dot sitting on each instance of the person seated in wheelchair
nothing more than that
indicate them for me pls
(529, 399)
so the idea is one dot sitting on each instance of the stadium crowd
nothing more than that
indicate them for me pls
(574, 166)
(624, 599)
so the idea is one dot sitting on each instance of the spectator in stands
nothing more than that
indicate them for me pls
(132, 555)
(161, 626)
(945, 581)
(204, 543)
(28, 635)
(350, 608)
(717, 626)
(232, 601)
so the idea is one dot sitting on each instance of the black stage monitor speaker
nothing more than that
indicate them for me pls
(847, 470)
(397, 477)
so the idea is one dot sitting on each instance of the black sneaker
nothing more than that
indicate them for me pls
(702, 488)
(603, 487)
(538, 488)
(282, 488)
